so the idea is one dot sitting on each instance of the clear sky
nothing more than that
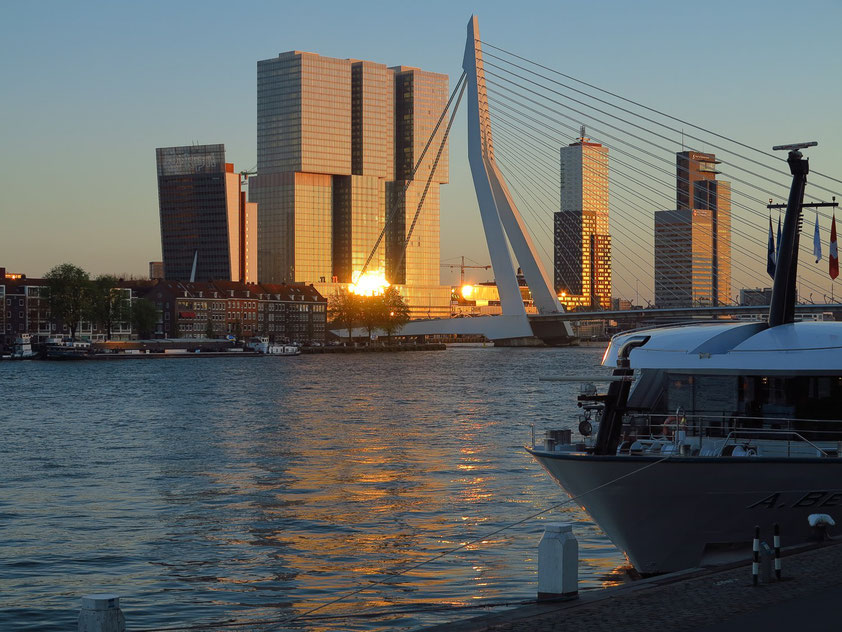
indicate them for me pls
(90, 89)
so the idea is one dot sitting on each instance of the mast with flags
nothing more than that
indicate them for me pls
(770, 250)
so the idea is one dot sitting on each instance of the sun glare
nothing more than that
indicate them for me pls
(467, 291)
(372, 283)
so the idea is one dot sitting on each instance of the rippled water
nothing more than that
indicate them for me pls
(204, 490)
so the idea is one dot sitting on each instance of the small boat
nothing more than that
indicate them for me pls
(706, 431)
(23, 348)
(284, 350)
(261, 344)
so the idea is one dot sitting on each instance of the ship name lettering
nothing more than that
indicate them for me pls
(810, 499)
(770, 502)
(815, 498)
(832, 500)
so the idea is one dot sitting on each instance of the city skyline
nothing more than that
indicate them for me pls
(77, 129)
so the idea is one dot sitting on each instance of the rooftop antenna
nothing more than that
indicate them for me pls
(582, 132)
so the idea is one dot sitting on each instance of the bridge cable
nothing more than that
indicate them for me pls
(734, 229)
(645, 107)
(392, 215)
(397, 266)
(804, 246)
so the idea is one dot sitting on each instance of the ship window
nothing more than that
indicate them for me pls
(713, 394)
(803, 397)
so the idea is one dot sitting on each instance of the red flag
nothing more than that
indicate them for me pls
(834, 253)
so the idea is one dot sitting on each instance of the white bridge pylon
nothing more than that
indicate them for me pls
(500, 220)
(496, 205)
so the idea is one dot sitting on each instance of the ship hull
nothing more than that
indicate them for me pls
(682, 512)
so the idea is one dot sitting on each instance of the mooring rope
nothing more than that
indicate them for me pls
(399, 573)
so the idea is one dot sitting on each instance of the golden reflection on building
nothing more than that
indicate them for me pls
(338, 141)
(582, 243)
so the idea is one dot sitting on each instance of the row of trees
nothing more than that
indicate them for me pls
(386, 311)
(74, 297)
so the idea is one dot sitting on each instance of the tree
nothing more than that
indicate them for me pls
(209, 332)
(108, 303)
(372, 312)
(395, 312)
(344, 310)
(238, 330)
(144, 316)
(69, 290)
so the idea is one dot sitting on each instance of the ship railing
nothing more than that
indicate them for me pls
(703, 433)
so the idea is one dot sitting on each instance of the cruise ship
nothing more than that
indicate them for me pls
(709, 430)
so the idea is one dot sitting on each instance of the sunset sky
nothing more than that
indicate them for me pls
(91, 89)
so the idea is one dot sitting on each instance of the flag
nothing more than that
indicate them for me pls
(833, 256)
(778, 248)
(770, 251)
(817, 242)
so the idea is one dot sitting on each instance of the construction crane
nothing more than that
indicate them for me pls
(462, 267)
(244, 175)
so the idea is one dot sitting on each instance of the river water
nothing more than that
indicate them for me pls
(257, 489)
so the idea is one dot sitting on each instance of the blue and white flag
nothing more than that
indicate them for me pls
(770, 251)
(817, 241)
(778, 247)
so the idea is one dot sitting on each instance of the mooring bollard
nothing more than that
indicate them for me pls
(820, 523)
(558, 562)
(766, 556)
(777, 544)
(755, 564)
(101, 613)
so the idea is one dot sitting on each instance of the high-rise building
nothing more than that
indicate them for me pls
(156, 269)
(582, 244)
(693, 242)
(337, 143)
(206, 221)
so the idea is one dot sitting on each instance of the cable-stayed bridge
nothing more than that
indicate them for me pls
(522, 112)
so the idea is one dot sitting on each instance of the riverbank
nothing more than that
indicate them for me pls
(377, 348)
(718, 599)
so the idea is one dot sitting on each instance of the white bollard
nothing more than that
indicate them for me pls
(558, 562)
(101, 613)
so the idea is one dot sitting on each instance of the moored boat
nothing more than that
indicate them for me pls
(67, 350)
(23, 348)
(708, 430)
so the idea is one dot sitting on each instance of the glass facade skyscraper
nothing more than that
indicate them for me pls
(204, 216)
(582, 244)
(693, 242)
(337, 142)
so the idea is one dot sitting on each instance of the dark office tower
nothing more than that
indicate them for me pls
(204, 217)
(582, 245)
(693, 243)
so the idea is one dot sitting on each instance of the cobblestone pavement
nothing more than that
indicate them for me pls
(696, 600)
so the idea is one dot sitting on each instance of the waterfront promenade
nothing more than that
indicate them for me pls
(719, 599)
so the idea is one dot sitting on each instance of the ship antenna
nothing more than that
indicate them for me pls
(782, 307)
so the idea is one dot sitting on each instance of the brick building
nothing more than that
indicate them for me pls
(293, 312)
